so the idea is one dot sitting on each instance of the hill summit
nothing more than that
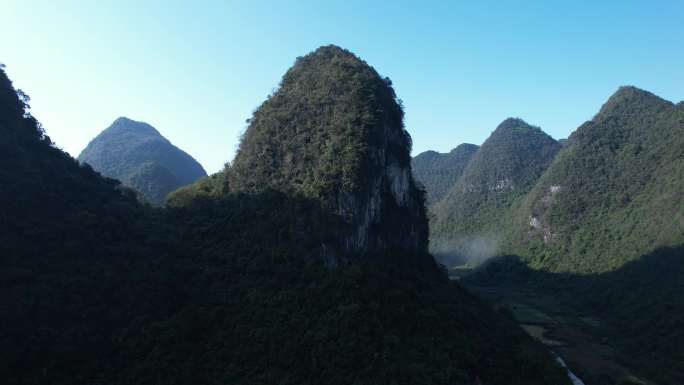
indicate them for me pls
(439, 172)
(505, 168)
(141, 158)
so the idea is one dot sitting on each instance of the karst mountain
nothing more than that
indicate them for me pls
(141, 158)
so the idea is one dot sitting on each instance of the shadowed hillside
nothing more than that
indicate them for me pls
(614, 192)
(642, 303)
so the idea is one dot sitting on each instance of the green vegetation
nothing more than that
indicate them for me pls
(439, 172)
(617, 215)
(619, 186)
(465, 224)
(224, 286)
(141, 158)
(601, 230)
(317, 134)
(211, 187)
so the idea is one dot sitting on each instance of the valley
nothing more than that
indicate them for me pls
(578, 337)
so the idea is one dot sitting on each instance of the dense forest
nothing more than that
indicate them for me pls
(231, 283)
(619, 185)
(141, 158)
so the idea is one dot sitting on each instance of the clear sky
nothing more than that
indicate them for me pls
(197, 69)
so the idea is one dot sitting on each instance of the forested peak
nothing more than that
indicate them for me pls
(124, 124)
(334, 132)
(464, 148)
(628, 100)
(515, 125)
(139, 156)
(507, 165)
(515, 130)
(509, 123)
(329, 60)
(461, 149)
(317, 132)
(438, 172)
(514, 150)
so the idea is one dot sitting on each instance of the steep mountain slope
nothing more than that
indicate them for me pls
(613, 194)
(439, 172)
(139, 156)
(229, 286)
(466, 222)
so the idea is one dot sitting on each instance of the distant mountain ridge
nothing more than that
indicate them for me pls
(140, 157)
(438, 172)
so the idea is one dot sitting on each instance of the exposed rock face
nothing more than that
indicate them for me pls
(140, 157)
(387, 214)
(334, 132)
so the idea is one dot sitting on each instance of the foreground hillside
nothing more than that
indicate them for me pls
(235, 283)
(141, 158)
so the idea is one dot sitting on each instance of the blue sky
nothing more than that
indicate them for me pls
(197, 70)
